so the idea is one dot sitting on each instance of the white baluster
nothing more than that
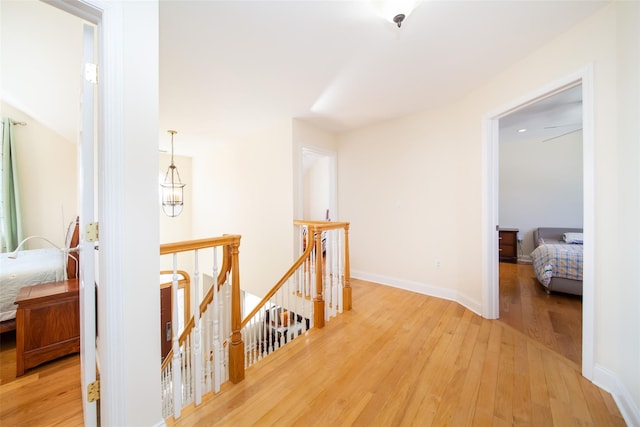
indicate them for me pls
(254, 333)
(303, 313)
(216, 327)
(296, 327)
(186, 391)
(166, 393)
(340, 269)
(226, 309)
(265, 341)
(197, 335)
(269, 330)
(250, 341)
(208, 347)
(280, 310)
(177, 378)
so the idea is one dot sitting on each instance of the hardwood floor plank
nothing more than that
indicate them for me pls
(397, 359)
(485, 403)
(503, 408)
(467, 401)
(522, 408)
(554, 320)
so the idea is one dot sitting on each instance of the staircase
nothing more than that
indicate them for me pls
(223, 339)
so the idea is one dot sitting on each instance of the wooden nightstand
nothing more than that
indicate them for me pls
(508, 244)
(47, 323)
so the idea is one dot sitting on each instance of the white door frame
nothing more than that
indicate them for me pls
(86, 208)
(108, 18)
(490, 291)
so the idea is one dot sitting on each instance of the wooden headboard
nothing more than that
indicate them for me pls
(73, 259)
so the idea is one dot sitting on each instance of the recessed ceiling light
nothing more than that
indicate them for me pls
(522, 130)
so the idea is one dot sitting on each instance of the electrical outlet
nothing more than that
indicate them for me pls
(437, 263)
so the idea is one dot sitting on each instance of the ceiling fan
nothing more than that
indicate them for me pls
(565, 133)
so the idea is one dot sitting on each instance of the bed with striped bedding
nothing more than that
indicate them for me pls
(558, 265)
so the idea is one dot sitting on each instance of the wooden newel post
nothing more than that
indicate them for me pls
(318, 301)
(236, 349)
(346, 290)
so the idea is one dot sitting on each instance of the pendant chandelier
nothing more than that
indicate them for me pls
(172, 188)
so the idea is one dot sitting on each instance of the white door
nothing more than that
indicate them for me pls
(87, 209)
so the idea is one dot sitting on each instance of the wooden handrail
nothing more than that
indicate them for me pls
(273, 290)
(190, 245)
(322, 225)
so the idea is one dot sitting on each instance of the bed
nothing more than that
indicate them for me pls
(32, 267)
(558, 259)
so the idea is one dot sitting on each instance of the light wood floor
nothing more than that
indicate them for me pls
(554, 320)
(397, 358)
(47, 395)
(401, 358)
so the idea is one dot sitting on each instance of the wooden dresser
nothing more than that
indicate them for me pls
(508, 244)
(47, 323)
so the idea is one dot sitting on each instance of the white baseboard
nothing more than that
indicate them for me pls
(609, 381)
(420, 288)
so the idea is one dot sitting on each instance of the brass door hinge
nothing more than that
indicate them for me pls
(93, 391)
(91, 233)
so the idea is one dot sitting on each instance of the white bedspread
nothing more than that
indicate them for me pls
(29, 268)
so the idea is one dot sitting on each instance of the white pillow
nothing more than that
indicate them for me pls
(572, 237)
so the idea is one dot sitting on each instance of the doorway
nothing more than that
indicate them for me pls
(318, 185)
(540, 185)
(490, 295)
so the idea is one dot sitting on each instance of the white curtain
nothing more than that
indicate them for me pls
(10, 217)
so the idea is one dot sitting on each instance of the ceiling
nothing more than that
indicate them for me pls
(545, 120)
(233, 67)
(228, 68)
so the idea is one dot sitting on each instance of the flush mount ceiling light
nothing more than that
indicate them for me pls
(395, 11)
(172, 188)
(398, 19)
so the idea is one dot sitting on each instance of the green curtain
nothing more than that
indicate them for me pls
(11, 219)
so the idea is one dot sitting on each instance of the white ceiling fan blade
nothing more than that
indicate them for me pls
(562, 134)
(562, 126)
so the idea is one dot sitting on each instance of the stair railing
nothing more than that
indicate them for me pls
(199, 361)
(217, 344)
(315, 288)
(332, 254)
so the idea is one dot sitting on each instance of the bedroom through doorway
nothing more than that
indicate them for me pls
(540, 184)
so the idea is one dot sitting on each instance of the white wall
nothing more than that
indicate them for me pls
(48, 179)
(244, 187)
(540, 186)
(40, 46)
(416, 196)
(176, 229)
